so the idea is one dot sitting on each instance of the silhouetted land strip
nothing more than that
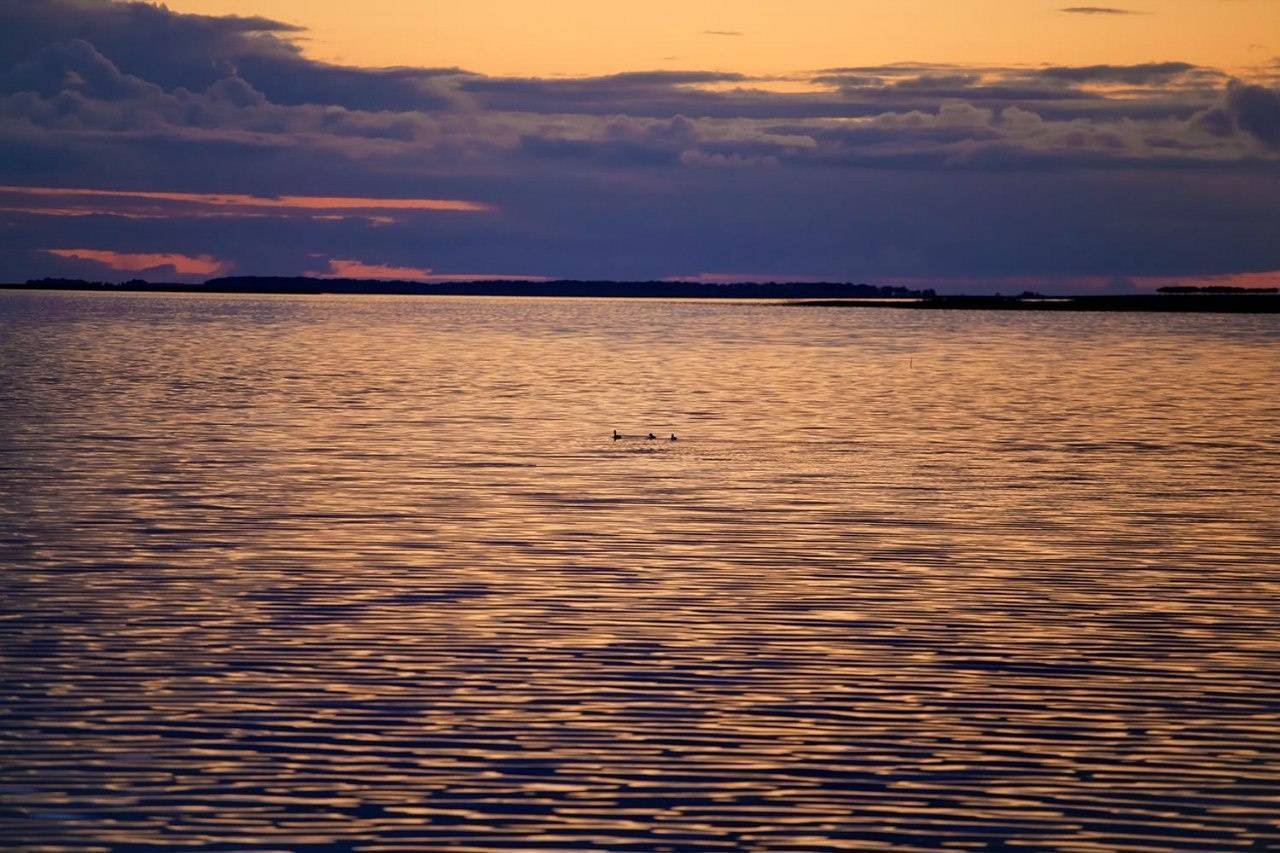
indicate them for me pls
(1219, 288)
(564, 288)
(1211, 299)
(1222, 303)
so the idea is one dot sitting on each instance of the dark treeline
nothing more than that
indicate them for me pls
(832, 294)
(633, 289)
(1218, 288)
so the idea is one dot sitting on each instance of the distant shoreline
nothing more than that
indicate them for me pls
(789, 294)
(563, 288)
(1156, 303)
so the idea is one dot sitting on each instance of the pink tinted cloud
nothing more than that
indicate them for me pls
(347, 268)
(139, 262)
(64, 201)
(344, 268)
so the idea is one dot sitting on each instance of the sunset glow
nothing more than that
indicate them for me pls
(108, 201)
(956, 146)
(579, 37)
(684, 426)
(184, 265)
(346, 268)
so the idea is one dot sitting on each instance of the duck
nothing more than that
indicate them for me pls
(616, 437)
(673, 437)
(651, 437)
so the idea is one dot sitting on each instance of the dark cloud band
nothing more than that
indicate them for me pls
(129, 133)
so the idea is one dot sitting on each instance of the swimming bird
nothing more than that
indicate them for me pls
(615, 435)
(673, 437)
(651, 436)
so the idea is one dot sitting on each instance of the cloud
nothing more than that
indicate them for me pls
(343, 268)
(1257, 111)
(74, 66)
(721, 33)
(346, 268)
(1244, 110)
(1097, 10)
(1144, 74)
(728, 160)
(183, 265)
(193, 52)
(644, 92)
(147, 41)
(67, 201)
(147, 133)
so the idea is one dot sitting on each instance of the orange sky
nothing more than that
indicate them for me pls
(766, 36)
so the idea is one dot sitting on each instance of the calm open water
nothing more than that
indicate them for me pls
(368, 573)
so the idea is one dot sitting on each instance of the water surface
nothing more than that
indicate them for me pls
(367, 573)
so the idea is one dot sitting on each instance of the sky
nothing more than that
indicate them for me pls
(584, 37)
(966, 145)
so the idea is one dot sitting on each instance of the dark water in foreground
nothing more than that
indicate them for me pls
(366, 573)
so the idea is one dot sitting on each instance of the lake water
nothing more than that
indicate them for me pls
(368, 573)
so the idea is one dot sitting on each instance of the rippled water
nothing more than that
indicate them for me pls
(368, 573)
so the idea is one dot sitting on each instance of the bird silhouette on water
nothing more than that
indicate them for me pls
(617, 436)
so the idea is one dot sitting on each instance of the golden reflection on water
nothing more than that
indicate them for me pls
(369, 574)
